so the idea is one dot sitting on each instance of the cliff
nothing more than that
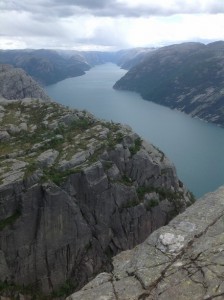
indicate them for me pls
(74, 191)
(181, 261)
(16, 84)
(188, 77)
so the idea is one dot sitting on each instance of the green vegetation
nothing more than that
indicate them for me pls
(33, 292)
(64, 290)
(130, 203)
(151, 203)
(191, 197)
(58, 177)
(81, 124)
(137, 145)
(161, 152)
(126, 180)
(10, 220)
(30, 169)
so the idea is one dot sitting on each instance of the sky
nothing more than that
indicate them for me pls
(108, 24)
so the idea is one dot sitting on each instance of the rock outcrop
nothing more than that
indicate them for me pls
(181, 261)
(16, 84)
(188, 77)
(74, 191)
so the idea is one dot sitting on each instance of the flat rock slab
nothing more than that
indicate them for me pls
(181, 261)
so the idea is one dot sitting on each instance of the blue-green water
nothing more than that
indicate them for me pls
(195, 147)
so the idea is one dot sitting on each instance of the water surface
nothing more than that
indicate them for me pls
(195, 147)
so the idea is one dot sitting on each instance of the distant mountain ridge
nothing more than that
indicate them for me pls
(50, 66)
(188, 77)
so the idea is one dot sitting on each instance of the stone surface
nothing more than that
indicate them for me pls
(4, 135)
(47, 158)
(181, 261)
(16, 84)
(71, 198)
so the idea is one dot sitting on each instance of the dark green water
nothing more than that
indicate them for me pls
(195, 147)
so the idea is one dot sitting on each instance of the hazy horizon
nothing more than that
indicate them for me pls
(108, 25)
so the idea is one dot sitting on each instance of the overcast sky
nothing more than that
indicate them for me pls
(108, 24)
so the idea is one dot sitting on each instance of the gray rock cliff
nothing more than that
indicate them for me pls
(16, 84)
(181, 261)
(74, 191)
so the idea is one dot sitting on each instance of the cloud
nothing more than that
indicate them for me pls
(114, 8)
(108, 24)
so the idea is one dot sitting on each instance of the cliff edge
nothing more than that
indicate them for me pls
(181, 261)
(74, 192)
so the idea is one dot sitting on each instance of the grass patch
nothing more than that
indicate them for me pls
(126, 180)
(30, 169)
(58, 177)
(83, 123)
(137, 145)
(151, 203)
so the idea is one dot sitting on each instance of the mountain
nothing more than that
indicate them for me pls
(188, 77)
(127, 59)
(50, 66)
(181, 261)
(45, 66)
(16, 84)
(74, 192)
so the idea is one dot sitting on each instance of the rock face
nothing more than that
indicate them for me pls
(74, 192)
(188, 77)
(181, 261)
(15, 84)
(45, 66)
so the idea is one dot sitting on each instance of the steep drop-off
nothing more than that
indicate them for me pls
(181, 261)
(188, 77)
(74, 192)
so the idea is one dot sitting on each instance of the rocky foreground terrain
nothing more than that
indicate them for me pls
(188, 77)
(74, 192)
(181, 261)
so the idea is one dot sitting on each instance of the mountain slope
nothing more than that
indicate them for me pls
(45, 66)
(49, 66)
(188, 77)
(16, 84)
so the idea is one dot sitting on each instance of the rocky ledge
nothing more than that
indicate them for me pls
(181, 261)
(74, 191)
(16, 84)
